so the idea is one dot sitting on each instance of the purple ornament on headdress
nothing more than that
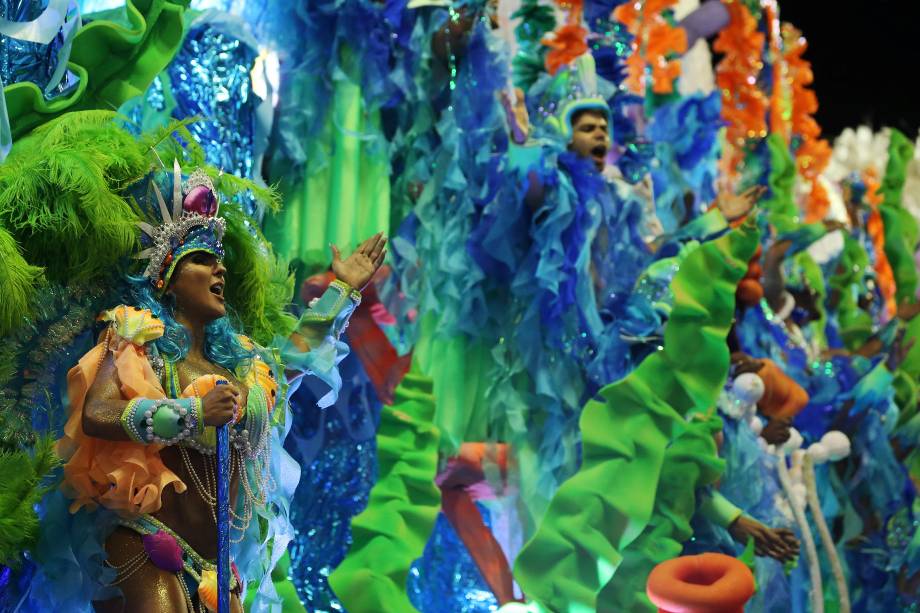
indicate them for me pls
(201, 200)
(163, 550)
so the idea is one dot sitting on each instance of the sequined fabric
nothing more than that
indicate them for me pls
(337, 449)
(210, 79)
(445, 578)
(23, 61)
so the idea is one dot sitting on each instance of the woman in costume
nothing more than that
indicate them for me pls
(144, 404)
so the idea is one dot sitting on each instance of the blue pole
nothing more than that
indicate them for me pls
(223, 518)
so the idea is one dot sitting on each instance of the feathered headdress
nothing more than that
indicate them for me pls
(558, 97)
(193, 225)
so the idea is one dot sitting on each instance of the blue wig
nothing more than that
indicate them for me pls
(222, 345)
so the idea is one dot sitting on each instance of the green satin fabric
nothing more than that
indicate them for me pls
(114, 63)
(782, 212)
(901, 231)
(392, 531)
(341, 195)
(458, 367)
(628, 507)
(855, 324)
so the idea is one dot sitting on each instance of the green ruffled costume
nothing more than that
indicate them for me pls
(392, 531)
(647, 446)
(606, 527)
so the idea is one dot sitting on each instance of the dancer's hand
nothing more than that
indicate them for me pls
(736, 206)
(743, 363)
(777, 431)
(777, 543)
(516, 112)
(220, 405)
(357, 269)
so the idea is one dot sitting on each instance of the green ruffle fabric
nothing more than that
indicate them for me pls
(782, 213)
(392, 531)
(855, 324)
(628, 506)
(458, 367)
(341, 196)
(900, 226)
(114, 63)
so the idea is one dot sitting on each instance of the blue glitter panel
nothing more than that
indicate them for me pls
(445, 578)
(338, 453)
(210, 78)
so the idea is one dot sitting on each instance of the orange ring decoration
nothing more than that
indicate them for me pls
(706, 583)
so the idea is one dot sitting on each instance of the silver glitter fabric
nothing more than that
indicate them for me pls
(445, 578)
(23, 61)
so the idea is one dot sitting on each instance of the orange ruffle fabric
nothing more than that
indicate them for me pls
(783, 398)
(814, 153)
(876, 229)
(656, 47)
(744, 104)
(126, 477)
(568, 43)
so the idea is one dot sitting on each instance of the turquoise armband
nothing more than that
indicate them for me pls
(334, 307)
(162, 421)
(718, 509)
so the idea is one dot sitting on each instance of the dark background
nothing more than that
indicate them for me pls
(866, 58)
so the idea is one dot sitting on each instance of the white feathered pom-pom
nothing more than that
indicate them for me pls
(818, 453)
(748, 388)
(795, 441)
(837, 445)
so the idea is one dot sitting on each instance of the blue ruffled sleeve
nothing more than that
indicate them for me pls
(315, 347)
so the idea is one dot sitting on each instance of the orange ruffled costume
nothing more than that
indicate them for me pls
(126, 477)
(783, 398)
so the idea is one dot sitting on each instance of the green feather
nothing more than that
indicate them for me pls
(59, 195)
(259, 287)
(65, 211)
(17, 281)
(23, 482)
(536, 21)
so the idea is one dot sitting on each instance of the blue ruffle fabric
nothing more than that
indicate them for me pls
(322, 41)
(685, 138)
(453, 151)
(70, 557)
(560, 339)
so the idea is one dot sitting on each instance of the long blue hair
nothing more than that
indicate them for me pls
(222, 345)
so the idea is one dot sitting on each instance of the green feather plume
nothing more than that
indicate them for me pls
(259, 287)
(66, 215)
(23, 482)
(59, 195)
(17, 282)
